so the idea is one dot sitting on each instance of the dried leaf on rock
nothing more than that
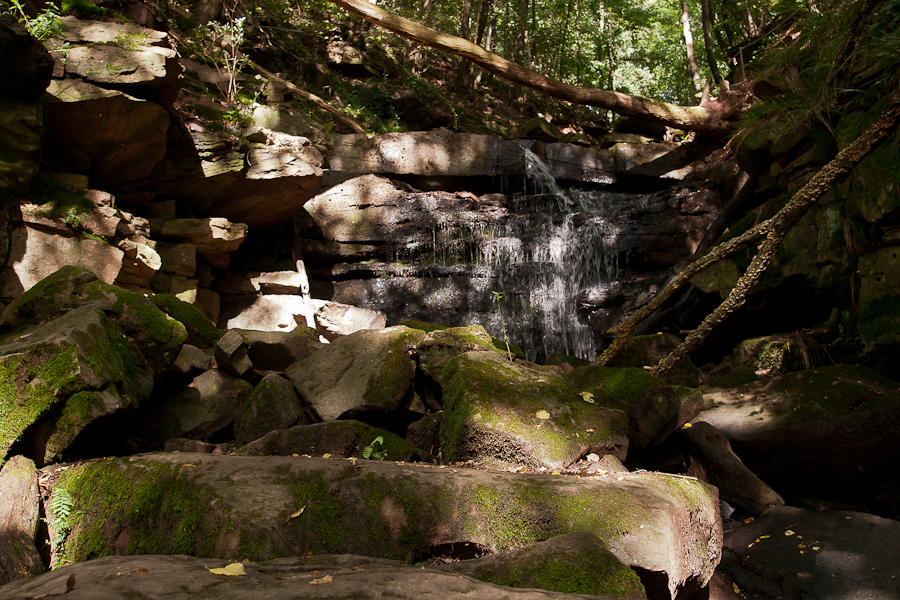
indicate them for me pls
(232, 570)
(321, 580)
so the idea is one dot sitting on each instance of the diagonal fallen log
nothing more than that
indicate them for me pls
(772, 231)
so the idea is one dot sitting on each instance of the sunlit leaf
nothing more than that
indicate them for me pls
(234, 569)
(542, 414)
(321, 580)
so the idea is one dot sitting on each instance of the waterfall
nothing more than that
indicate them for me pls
(553, 248)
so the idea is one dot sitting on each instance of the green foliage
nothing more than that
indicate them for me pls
(373, 453)
(813, 65)
(86, 10)
(60, 507)
(44, 26)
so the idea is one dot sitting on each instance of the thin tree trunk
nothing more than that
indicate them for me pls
(356, 127)
(689, 45)
(465, 32)
(714, 119)
(707, 40)
(773, 230)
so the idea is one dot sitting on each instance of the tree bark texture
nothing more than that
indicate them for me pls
(715, 119)
(773, 230)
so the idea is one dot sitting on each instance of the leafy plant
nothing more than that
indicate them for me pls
(374, 453)
(498, 296)
(220, 44)
(44, 26)
(60, 507)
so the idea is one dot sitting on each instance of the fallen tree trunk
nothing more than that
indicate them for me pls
(773, 230)
(713, 119)
(356, 127)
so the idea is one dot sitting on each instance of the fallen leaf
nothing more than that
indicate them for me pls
(736, 589)
(142, 571)
(232, 570)
(189, 465)
(593, 458)
(591, 430)
(588, 397)
(321, 580)
(295, 455)
(555, 472)
(326, 455)
(296, 514)
(686, 425)
(542, 414)
(789, 532)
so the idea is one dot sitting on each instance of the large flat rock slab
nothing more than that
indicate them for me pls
(261, 508)
(177, 577)
(797, 554)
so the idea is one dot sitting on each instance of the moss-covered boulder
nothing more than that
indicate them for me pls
(830, 431)
(59, 376)
(650, 404)
(274, 404)
(153, 334)
(341, 439)
(366, 371)
(505, 414)
(200, 330)
(575, 563)
(441, 345)
(259, 508)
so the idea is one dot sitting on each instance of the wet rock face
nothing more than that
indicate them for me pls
(557, 258)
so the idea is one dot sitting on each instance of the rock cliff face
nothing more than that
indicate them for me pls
(557, 231)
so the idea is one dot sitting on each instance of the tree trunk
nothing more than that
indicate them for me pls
(465, 32)
(716, 119)
(773, 230)
(696, 84)
(707, 40)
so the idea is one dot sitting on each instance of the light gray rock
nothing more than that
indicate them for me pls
(215, 235)
(135, 59)
(370, 370)
(334, 320)
(36, 254)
